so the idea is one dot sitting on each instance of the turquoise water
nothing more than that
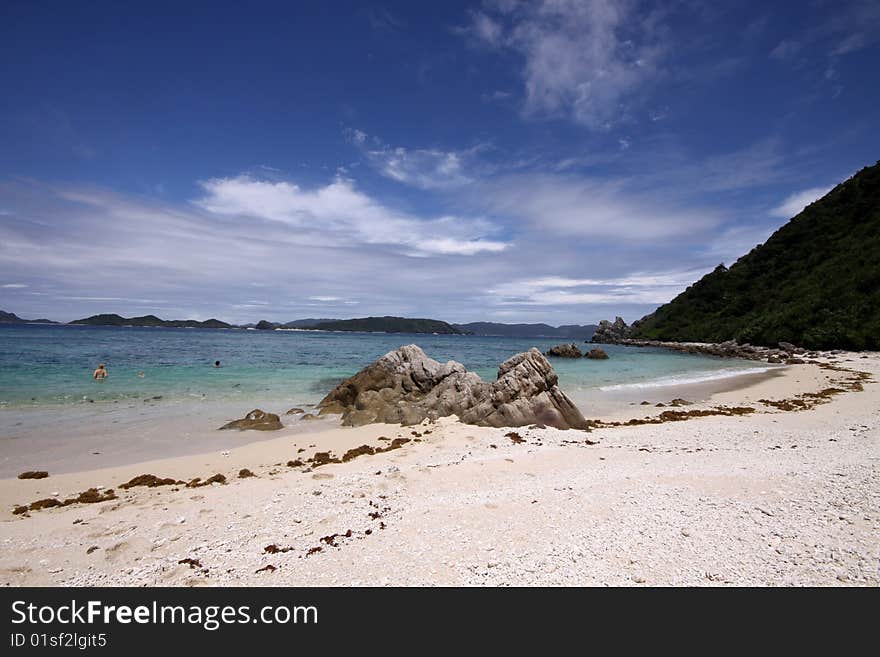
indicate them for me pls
(44, 366)
(54, 416)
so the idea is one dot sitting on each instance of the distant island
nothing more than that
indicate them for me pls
(566, 332)
(149, 320)
(12, 318)
(814, 283)
(386, 324)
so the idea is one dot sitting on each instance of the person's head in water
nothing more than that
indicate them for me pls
(216, 363)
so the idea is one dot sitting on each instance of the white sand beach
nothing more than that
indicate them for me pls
(771, 497)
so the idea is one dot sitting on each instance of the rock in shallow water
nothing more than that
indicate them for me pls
(256, 419)
(405, 386)
(565, 351)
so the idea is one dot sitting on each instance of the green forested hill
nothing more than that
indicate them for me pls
(388, 325)
(149, 320)
(815, 282)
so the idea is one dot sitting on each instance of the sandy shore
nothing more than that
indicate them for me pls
(771, 497)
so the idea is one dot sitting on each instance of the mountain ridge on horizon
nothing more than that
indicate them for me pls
(391, 324)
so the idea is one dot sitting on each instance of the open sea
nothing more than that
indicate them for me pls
(163, 390)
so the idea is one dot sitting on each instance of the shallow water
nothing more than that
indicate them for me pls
(52, 365)
(164, 397)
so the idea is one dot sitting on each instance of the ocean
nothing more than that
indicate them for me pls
(163, 394)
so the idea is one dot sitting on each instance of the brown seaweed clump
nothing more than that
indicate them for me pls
(90, 496)
(34, 474)
(324, 458)
(150, 481)
(676, 416)
(214, 479)
(358, 451)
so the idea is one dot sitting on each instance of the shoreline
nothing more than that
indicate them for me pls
(159, 431)
(157, 423)
(732, 483)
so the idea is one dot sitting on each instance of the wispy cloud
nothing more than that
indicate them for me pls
(425, 168)
(592, 208)
(341, 214)
(581, 59)
(797, 201)
(208, 258)
(786, 49)
(637, 289)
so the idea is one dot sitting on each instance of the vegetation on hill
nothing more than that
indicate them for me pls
(388, 325)
(815, 282)
(149, 320)
(567, 332)
(12, 318)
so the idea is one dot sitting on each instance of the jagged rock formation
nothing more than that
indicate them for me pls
(611, 333)
(597, 354)
(256, 419)
(405, 386)
(565, 350)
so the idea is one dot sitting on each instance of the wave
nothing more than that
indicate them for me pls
(686, 379)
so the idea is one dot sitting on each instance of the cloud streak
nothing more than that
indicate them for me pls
(592, 208)
(341, 214)
(637, 289)
(796, 202)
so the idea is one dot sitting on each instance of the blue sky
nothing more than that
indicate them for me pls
(550, 161)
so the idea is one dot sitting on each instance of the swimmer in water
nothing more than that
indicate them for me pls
(216, 363)
(101, 373)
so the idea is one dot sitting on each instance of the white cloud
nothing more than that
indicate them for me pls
(287, 242)
(637, 289)
(852, 43)
(796, 202)
(339, 213)
(586, 208)
(126, 299)
(736, 241)
(426, 168)
(13, 286)
(486, 29)
(582, 58)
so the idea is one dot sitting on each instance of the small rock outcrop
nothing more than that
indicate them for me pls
(405, 386)
(256, 419)
(565, 350)
(611, 332)
(597, 354)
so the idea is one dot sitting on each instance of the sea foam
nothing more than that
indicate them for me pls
(687, 379)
